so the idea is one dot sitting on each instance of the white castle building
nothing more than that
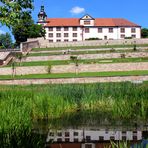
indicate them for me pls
(87, 27)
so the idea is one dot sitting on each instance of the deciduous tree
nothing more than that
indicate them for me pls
(144, 33)
(6, 41)
(12, 10)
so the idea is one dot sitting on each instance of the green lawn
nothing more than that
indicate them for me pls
(81, 52)
(86, 61)
(74, 75)
(88, 47)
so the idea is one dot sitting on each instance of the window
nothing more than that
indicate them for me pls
(86, 22)
(59, 139)
(66, 28)
(133, 36)
(66, 134)
(124, 132)
(101, 138)
(124, 138)
(58, 34)
(75, 133)
(66, 40)
(50, 41)
(122, 30)
(134, 137)
(133, 30)
(50, 35)
(88, 138)
(65, 34)
(75, 139)
(51, 134)
(58, 40)
(74, 28)
(86, 30)
(112, 138)
(74, 40)
(135, 132)
(110, 30)
(122, 36)
(59, 134)
(99, 30)
(74, 34)
(67, 139)
(88, 145)
(50, 29)
(58, 28)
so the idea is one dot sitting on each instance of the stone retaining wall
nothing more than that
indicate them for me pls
(26, 47)
(45, 43)
(133, 79)
(87, 56)
(73, 69)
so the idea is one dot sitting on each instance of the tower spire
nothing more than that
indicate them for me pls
(42, 15)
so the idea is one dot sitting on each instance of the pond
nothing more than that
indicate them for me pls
(104, 135)
(29, 114)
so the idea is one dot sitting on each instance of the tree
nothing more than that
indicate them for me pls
(16, 14)
(6, 41)
(12, 10)
(144, 33)
(27, 29)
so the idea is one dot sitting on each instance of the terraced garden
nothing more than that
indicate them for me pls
(79, 62)
(55, 102)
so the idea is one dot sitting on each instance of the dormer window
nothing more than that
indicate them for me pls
(87, 22)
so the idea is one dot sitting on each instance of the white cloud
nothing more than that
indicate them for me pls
(77, 10)
(2, 32)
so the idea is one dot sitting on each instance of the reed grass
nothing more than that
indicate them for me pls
(20, 106)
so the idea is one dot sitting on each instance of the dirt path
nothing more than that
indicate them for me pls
(134, 79)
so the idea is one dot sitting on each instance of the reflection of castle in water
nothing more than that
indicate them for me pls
(90, 138)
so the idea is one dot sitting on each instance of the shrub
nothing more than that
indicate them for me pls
(122, 55)
(93, 39)
(49, 68)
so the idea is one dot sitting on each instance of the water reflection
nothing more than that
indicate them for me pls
(91, 130)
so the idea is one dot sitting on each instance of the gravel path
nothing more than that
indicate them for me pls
(133, 79)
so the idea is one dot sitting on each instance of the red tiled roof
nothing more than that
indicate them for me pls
(98, 22)
(63, 22)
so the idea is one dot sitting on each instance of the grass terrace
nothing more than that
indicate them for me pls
(88, 47)
(86, 61)
(82, 52)
(74, 75)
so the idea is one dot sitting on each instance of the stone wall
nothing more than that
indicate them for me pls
(25, 47)
(75, 69)
(132, 79)
(45, 43)
(87, 56)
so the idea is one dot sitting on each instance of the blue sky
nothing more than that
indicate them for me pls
(133, 10)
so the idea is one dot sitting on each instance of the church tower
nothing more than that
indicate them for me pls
(42, 16)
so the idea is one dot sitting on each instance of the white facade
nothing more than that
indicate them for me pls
(61, 36)
(72, 135)
(88, 27)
